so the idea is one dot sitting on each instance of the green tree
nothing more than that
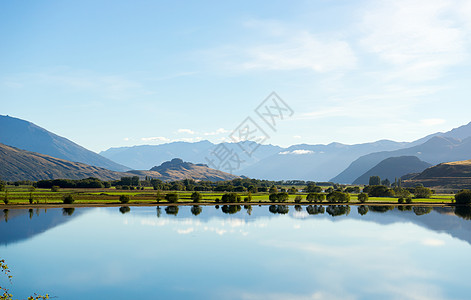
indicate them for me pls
(422, 192)
(336, 196)
(196, 197)
(55, 188)
(172, 197)
(124, 198)
(313, 188)
(380, 191)
(363, 197)
(230, 198)
(374, 180)
(273, 190)
(463, 197)
(386, 182)
(68, 199)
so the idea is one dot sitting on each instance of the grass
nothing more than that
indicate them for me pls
(21, 194)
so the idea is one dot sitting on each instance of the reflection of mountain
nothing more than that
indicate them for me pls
(24, 224)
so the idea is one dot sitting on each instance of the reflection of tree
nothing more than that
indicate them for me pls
(315, 210)
(231, 209)
(31, 213)
(338, 210)
(380, 208)
(278, 209)
(298, 208)
(159, 211)
(196, 210)
(362, 210)
(5, 214)
(463, 212)
(124, 209)
(404, 208)
(68, 211)
(171, 210)
(248, 208)
(421, 210)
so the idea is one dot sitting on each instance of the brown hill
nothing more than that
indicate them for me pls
(177, 169)
(16, 164)
(453, 175)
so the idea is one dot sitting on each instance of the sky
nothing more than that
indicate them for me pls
(121, 73)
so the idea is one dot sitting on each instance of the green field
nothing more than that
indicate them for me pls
(21, 195)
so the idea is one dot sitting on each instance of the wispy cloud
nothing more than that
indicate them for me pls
(297, 152)
(219, 131)
(420, 39)
(188, 131)
(155, 139)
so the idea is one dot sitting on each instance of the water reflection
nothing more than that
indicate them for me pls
(171, 210)
(463, 212)
(362, 210)
(315, 210)
(231, 209)
(124, 209)
(279, 209)
(338, 210)
(421, 210)
(68, 211)
(196, 210)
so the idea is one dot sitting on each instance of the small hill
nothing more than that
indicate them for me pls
(394, 167)
(28, 136)
(177, 169)
(453, 175)
(16, 164)
(434, 151)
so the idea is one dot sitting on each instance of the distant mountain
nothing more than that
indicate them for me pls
(454, 175)
(146, 156)
(394, 167)
(27, 136)
(435, 148)
(177, 169)
(434, 151)
(16, 164)
(313, 162)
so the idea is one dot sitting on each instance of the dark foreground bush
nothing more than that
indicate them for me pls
(69, 199)
(124, 198)
(172, 197)
(463, 197)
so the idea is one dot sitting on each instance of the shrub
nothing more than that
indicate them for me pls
(380, 191)
(55, 188)
(336, 196)
(68, 199)
(408, 200)
(422, 192)
(172, 197)
(363, 197)
(463, 197)
(400, 200)
(230, 198)
(315, 197)
(196, 197)
(298, 199)
(124, 198)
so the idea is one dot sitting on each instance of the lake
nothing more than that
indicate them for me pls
(238, 253)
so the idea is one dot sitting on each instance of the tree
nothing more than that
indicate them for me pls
(422, 192)
(336, 196)
(315, 197)
(196, 197)
(292, 190)
(171, 210)
(2, 185)
(124, 198)
(273, 190)
(386, 182)
(55, 188)
(298, 199)
(279, 197)
(230, 198)
(374, 180)
(363, 197)
(380, 191)
(463, 197)
(248, 198)
(68, 199)
(172, 197)
(313, 188)
(362, 210)
(124, 209)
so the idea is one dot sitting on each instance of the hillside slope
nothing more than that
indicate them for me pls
(16, 164)
(453, 175)
(28, 136)
(394, 167)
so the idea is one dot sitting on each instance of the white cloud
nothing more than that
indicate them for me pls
(218, 131)
(432, 122)
(301, 50)
(189, 131)
(297, 152)
(419, 39)
(155, 139)
(126, 139)
(433, 242)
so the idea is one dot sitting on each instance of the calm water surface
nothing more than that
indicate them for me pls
(257, 253)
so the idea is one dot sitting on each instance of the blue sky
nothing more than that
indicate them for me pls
(120, 73)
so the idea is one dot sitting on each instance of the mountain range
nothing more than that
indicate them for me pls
(334, 162)
(25, 135)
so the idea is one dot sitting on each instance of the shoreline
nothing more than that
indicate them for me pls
(147, 204)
